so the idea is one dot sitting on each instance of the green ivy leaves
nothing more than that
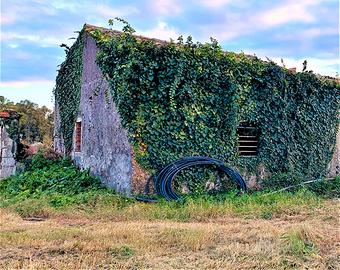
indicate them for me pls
(67, 90)
(185, 98)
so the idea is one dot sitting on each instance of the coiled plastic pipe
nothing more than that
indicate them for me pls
(164, 179)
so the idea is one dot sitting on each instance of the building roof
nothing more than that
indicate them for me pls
(10, 114)
(89, 27)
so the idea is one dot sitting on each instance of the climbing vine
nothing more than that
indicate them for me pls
(67, 90)
(183, 98)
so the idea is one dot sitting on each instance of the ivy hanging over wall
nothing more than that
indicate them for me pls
(183, 98)
(67, 90)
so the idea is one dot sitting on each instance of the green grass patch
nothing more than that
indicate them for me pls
(299, 242)
(51, 187)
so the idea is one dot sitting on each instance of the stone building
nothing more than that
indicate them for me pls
(100, 143)
(8, 142)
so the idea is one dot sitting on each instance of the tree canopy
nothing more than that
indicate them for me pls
(36, 123)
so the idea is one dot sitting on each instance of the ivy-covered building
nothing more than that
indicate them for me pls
(127, 105)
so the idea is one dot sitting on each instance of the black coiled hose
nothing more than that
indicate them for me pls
(164, 179)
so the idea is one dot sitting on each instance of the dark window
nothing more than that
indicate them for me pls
(247, 139)
(78, 137)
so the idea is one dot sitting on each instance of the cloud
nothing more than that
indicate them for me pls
(7, 18)
(320, 66)
(161, 31)
(310, 33)
(37, 90)
(72, 6)
(42, 39)
(25, 83)
(287, 12)
(245, 20)
(13, 45)
(165, 7)
(214, 4)
(15, 11)
(324, 66)
(110, 13)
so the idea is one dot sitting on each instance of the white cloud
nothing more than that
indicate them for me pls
(286, 13)
(110, 13)
(37, 90)
(214, 4)
(12, 12)
(13, 45)
(72, 6)
(328, 65)
(239, 23)
(310, 33)
(161, 31)
(165, 7)
(41, 39)
(232, 25)
(317, 65)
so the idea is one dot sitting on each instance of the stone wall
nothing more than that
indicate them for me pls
(7, 154)
(104, 143)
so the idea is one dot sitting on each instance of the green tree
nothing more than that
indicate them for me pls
(36, 123)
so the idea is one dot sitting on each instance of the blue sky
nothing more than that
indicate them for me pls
(295, 30)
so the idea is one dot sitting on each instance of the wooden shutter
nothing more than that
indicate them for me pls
(78, 137)
(247, 140)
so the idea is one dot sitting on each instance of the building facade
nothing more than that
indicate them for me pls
(100, 143)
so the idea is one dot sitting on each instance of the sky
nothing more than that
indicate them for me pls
(294, 30)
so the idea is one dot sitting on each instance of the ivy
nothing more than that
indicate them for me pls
(185, 98)
(67, 90)
(182, 98)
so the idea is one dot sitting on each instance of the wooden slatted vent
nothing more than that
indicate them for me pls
(78, 137)
(248, 137)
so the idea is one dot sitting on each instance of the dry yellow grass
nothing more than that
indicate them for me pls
(303, 240)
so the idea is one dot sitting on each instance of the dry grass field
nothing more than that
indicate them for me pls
(299, 235)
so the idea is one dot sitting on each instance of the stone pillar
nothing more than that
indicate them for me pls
(9, 138)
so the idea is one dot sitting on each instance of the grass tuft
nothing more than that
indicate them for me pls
(299, 242)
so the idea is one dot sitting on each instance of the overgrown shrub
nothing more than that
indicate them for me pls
(183, 98)
(48, 176)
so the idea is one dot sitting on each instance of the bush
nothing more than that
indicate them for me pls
(48, 176)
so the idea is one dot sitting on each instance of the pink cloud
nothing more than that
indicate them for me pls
(166, 7)
(26, 83)
(288, 12)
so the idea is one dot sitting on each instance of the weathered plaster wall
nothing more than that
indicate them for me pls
(7, 161)
(105, 149)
